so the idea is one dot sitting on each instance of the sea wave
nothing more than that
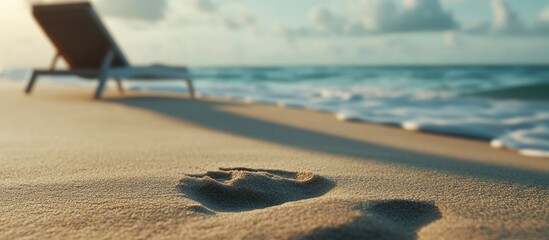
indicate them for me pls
(505, 106)
(528, 92)
(486, 103)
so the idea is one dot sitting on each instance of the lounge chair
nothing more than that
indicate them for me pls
(89, 50)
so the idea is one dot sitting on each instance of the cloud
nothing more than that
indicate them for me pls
(141, 10)
(541, 27)
(239, 21)
(364, 17)
(194, 12)
(206, 12)
(544, 15)
(145, 10)
(507, 22)
(323, 19)
(411, 16)
(205, 6)
(370, 17)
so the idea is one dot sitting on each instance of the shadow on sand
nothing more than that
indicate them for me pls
(388, 219)
(209, 115)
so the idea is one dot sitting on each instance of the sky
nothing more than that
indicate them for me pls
(300, 32)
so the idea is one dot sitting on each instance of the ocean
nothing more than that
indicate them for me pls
(507, 106)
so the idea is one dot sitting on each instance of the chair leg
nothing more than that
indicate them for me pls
(120, 86)
(104, 75)
(190, 86)
(100, 87)
(31, 83)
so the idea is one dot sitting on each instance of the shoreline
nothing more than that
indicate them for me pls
(88, 87)
(498, 134)
(133, 166)
(406, 126)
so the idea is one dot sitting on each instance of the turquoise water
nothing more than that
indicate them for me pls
(508, 106)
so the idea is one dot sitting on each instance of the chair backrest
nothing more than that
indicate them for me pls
(78, 34)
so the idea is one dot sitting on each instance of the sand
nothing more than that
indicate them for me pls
(162, 166)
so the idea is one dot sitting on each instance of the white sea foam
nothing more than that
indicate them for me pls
(431, 99)
(389, 97)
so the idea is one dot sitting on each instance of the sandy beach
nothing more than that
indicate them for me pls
(165, 167)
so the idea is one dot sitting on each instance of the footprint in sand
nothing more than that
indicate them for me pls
(387, 219)
(243, 189)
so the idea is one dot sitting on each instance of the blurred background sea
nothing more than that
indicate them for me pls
(508, 106)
